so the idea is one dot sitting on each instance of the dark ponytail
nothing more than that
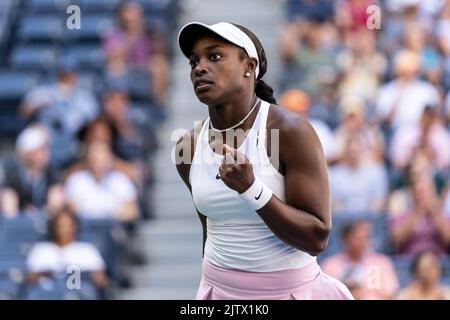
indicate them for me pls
(264, 92)
(262, 89)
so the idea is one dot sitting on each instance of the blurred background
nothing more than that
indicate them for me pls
(88, 121)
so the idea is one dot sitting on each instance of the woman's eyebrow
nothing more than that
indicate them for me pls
(214, 46)
(208, 48)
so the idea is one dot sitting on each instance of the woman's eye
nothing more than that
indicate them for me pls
(215, 57)
(193, 63)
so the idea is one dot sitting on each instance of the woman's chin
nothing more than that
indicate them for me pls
(205, 98)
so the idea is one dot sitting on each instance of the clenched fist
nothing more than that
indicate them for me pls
(236, 171)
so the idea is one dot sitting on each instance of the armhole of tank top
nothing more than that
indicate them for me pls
(263, 128)
(199, 136)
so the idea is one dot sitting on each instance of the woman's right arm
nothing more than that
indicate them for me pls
(184, 153)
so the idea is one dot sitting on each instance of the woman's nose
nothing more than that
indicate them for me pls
(200, 68)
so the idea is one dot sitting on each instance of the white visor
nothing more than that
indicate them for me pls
(190, 32)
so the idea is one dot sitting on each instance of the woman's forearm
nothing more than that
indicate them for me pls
(298, 228)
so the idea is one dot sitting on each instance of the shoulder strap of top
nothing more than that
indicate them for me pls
(198, 145)
(264, 113)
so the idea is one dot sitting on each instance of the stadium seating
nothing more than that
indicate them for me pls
(107, 236)
(379, 222)
(41, 28)
(87, 57)
(34, 57)
(14, 85)
(58, 288)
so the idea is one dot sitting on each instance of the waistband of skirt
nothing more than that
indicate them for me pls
(268, 282)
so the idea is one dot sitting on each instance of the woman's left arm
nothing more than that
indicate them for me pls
(304, 220)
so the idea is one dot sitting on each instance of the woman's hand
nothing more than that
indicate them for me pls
(236, 171)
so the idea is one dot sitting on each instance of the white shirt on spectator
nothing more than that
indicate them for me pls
(48, 256)
(326, 138)
(99, 199)
(356, 191)
(410, 100)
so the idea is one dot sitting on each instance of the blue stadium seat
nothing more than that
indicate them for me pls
(157, 5)
(42, 28)
(107, 235)
(93, 28)
(380, 237)
(402, 266)
(103, 5)
(87, 56)
(60, 6)
(21, 232)
(57, 289)
(47, 5)
(6, 7)
(12, 269)
(33, 57)
(14, 85)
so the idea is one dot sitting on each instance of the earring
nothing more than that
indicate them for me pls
(247, 74)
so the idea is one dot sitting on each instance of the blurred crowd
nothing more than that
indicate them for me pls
(379, 100)
(79, 180)
(85, 156)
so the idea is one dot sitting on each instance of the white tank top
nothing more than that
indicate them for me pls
(237, 238)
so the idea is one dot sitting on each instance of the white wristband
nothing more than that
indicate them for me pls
(257, 195)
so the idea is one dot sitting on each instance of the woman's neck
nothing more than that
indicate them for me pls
(228, 114)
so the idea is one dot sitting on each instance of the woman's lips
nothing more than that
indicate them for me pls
(202, 85)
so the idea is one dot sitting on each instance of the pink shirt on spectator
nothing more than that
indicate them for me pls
(407, 138)
(139, 51)
(375, 273)
(425, 236)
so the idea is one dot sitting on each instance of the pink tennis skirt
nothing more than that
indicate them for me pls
(307, 283)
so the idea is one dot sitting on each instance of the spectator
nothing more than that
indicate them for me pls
(63, 107)
(415, 39)
(29, 181)
(447, 110)
(400, 199)
(353, 122)
(402, 101)
(100, 191)
(101, 131)
(361, 65)
(402, 16)
(446, 200)
(443, 38)
(369, 275)
(133, 138)
(427, 271)
(46, 259)
(352, 14)
(423, 226)
(131, 47)
(299, 102)
(309, 60)
(429, 135)
(357, 186)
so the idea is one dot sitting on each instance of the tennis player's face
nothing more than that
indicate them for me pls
(217, 70)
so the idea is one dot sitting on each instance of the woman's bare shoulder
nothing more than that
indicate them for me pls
(184, 152)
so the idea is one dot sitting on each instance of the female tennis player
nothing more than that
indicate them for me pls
(265, 213)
